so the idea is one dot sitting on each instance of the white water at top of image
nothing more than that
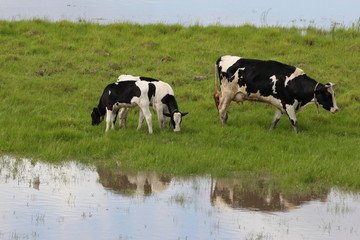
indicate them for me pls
(321, 13)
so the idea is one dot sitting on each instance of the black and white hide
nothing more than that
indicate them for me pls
(163, 103)
(124, 94)
(286, 87)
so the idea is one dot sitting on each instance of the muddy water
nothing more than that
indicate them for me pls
(69, 201)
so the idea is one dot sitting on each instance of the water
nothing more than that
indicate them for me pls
(319, 13)
(72, 201)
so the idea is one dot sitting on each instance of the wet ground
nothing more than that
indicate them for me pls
(70, 201)
(320, 13)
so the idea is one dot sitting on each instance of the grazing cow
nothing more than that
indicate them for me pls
(126, 94)
(286, 87)
(163, 103)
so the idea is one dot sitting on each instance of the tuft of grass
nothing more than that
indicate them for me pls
(179, 199)
(53, 73)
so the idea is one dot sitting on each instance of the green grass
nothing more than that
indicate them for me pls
(52, 75)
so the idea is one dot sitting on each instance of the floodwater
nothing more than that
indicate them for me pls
(319, 13)
(73, 201)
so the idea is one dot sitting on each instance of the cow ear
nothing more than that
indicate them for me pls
(321, 89)
(184, 114)
(328, 85)
(167, 114)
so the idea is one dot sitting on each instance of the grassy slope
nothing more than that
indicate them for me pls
(52, 75)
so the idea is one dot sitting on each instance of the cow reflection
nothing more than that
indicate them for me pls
(142, 183)
(256, 196)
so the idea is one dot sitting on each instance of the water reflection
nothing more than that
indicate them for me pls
(70, 200)
(259, 196)
(224, 193)
(142, 183)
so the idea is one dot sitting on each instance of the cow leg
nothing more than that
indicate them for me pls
(123, 116)
(147, 114)
(290, 111)
(276, 119)
(141, 119)
(161, 116)
(110, 118)
(164, 121)
(223, 106)
(114, 119)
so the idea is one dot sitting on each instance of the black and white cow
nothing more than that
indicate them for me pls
(163, 103)
(126, 94)
(286, 87)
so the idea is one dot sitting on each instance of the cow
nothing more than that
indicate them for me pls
(126, 94)
(163, 103)
(286, 87)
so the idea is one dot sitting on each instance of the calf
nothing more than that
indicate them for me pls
(286, 87)
(126, 94)
(163, 103)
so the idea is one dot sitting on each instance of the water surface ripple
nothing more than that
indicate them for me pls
(70, 201)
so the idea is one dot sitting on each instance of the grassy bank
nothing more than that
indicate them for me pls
(52, 75)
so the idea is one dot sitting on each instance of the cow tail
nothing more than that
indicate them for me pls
(217, 87)
(217, 79)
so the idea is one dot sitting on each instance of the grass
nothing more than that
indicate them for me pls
(52, 75)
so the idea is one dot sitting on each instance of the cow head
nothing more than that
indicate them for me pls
(96, 116)
(176, 119)
(325, 96)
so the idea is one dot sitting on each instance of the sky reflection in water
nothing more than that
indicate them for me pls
(68, 201)
(319, 13)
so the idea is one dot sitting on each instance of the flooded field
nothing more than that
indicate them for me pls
(69, 201)
(321, 13)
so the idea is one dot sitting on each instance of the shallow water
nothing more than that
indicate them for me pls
(69, 201)
(319, 13)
